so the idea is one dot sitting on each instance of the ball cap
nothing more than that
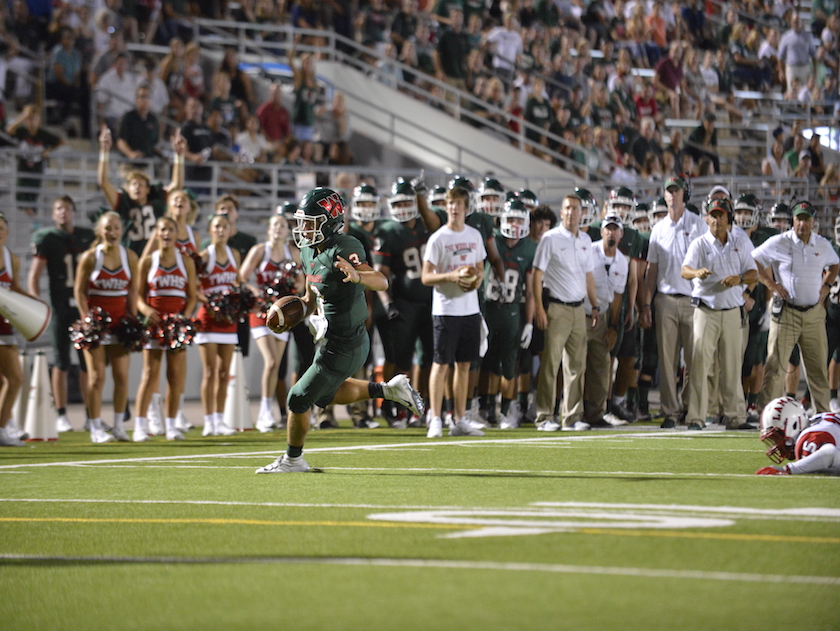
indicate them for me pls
(614, 220)
(804, 208)
(675, 181)
(718, 205)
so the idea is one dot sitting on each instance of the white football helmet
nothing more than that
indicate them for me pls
(837, 231)
(491, 196)
(782, 421)
(365, 205)
(402, 202)
(515, 222)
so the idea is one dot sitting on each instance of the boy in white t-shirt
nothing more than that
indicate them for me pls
(453, 264)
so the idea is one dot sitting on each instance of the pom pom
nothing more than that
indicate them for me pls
(175, 332)
(131, 333)
(200, 263)
(231, 305)
(86, 333)
(284, 283)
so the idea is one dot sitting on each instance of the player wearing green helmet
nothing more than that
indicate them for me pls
(337, 273)
(491, 195)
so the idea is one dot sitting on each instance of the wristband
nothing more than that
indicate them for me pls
(103, 156)
(647, 306)
(596, 308)
(178, 160)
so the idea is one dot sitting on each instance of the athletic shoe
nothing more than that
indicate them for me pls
(265, 423)
(181, 422)
(612, 420)
(696, 426)
(120, 435)
(284, 464)
(9, 441)
(140, 436)
(643, 412)
(579, 426)
(834, 405)
(474, 418)
(222, 429)
(63, 424)
(155, 423)
(418, 421)
(367, 423)
(548, 425)
(100, 437)
(435, 428)
(398, 417)
(209, 428)
(670, 422)
(174, 434)
(463, 427)
(399, 390)
(621, 411)
(603, 423)
(511, 419)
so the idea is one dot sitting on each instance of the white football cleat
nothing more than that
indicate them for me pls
(140, 436)
(284, 464)
(399, 389)
(579, 426)
(119, 434)
(222, 429)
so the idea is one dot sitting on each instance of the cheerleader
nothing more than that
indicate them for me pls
(104, 279)
(266, 259)
(216, 340)
(166, 284)
(183, 210)
(11, 377)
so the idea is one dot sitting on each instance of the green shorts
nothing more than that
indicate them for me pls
(335, 360)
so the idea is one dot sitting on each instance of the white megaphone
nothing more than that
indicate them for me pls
(28, 315)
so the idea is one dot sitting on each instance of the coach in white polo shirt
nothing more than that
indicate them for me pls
(669, 240)
(799, 266)
(719, 265)
(563, 276)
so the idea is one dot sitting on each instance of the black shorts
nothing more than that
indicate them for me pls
(457, 338)
(61, 321)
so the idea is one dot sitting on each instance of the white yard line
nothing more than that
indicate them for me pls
(455, 565)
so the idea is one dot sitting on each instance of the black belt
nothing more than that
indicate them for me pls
(798, 308)
(567, 304)
(678, 295)
(711, 308)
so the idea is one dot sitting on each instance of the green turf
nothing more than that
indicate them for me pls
(185, 536)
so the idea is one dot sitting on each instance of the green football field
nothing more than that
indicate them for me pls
(633, 529)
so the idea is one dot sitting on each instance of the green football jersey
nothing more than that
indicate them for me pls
(759, 294)
(62, 252)
(367, 239)
(344, 303)
(139, 221)
(518, 261)
(401, 248)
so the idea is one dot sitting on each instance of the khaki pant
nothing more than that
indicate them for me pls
(596, 384)
(565, 339)
(674, 332)
(806, 328)
(717, 346)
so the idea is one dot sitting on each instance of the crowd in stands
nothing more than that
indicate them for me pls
(570, 72)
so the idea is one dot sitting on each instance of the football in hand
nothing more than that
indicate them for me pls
(468, 276)
(285, 314)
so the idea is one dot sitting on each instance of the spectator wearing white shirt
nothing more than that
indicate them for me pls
(718, 264)
(799, 266)
(796, 52)
(610, 270)
(563, 276)
(669, 241)
(115, 92)
(506, 45)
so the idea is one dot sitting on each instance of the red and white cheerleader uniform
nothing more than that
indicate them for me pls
(265, 273)
(189, 244)
(108, 289)
(167, 293)
(218, 279)
(7, 336)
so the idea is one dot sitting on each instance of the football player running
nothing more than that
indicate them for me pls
(337, 273)
(790, 435)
